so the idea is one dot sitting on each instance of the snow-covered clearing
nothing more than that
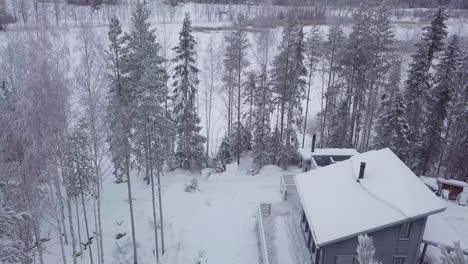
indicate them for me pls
(218, 221)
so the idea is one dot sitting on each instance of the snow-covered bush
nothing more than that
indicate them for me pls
(453, 257)
(366, 250)
(201, 259)
(192, 187)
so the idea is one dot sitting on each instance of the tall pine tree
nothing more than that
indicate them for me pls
(419, 81)
(439, 99)
(189, 153)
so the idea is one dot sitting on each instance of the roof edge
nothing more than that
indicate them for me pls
(380, 227)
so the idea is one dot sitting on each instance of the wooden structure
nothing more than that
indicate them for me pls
(454, 187)
(288, 185)
(264, 209)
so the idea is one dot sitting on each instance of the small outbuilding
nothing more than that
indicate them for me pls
(453, 187)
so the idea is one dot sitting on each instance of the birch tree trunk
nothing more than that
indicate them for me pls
(88, 242)
(72, 230)
(79, 227)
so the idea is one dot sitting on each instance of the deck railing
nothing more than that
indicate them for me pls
(264, 209)
(287, 185)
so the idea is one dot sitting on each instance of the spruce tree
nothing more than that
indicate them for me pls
(419, 81)
(456, 135)
(117, 55)
(333, 50)
(223, 156)
(288, 84)
(235, 62)
(241, 133)
(148, 76)
(392, 126)
(439, 99)
(189, 153)
(261, 115)
(120, 114)
(81, 181)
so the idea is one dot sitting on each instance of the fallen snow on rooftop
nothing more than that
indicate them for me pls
(453, 182)
(306, 153)
(389, 194)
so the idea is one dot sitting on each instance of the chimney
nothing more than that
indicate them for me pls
(313, 142)
(361, 171)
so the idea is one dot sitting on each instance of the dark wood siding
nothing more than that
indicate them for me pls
(454, 190)
(387, 243)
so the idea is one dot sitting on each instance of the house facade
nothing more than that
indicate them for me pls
(397, 244)
(373, 193)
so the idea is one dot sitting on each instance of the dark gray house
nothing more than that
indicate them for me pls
(372, 193)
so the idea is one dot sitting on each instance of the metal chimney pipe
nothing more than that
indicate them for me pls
(361, 170)
(314, 136)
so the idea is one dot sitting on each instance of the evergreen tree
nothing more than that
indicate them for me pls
(419, 80)
(245, 138)
(288, 84)
(438, 103)
(248, 94)
(456, 135)
(366, 250)
(382, 52)
(235, 62)
(392, 126)
(81, 181)
(189, 153)
(357, 64)
(223, 156)
(261, 130)
(118, 100)
(148, 76)
(120, 114)
(333, 50)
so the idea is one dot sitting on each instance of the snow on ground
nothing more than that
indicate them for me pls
(218, 221)
(284, 237)
(282, 240)
(448, 227)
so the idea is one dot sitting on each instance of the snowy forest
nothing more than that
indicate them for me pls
(104, 93)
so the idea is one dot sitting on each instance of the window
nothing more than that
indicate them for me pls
(405, 231)
(399, 260)
(346, 259)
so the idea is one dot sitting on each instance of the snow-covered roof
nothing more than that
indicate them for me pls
(307, 154)
(430, 181)
(389, 194)
(439, 232)
(453, 182)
